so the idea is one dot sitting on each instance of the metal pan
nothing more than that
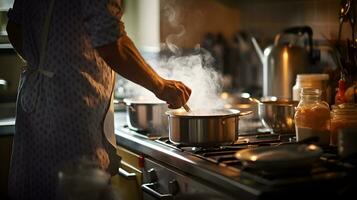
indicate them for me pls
(147, 116)
(204, 128)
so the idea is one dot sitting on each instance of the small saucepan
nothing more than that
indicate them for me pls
(277, 115)
(147, 116)
(204, 127)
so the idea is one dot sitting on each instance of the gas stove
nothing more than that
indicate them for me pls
(175, 170)
(328, 167)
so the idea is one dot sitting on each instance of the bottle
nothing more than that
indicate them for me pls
(312, 117)
(340, 95)
(342, 116)
(319, 81)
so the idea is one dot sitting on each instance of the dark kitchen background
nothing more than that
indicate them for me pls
(225, 29)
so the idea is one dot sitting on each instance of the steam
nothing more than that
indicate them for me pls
(172, 16)
(204, 81)
(195, 70)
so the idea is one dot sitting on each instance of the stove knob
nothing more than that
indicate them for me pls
(173, 187)
(152, 175)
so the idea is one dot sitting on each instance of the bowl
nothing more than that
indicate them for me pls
(278, 115)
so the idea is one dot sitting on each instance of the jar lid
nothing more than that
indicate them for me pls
(346, 108)
(310, 91)
(312, 77)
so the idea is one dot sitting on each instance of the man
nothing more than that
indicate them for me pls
(71, 48)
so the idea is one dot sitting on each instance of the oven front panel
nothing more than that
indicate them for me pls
(164, 182)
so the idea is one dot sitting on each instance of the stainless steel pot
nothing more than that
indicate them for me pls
(213, 127)
(278, 116)
(143, 115)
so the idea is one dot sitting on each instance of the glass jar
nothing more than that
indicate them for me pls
(319, 81)
(342, 116)
(312, 117)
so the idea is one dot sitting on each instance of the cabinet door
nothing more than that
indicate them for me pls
(5, 155)
(129, 178)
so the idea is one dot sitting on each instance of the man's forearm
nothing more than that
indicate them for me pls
(14, 32)
(124, 58)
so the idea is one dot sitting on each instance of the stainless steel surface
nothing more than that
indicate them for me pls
(283, 61)
(242, 102)
(217, 169)
(126, 175)
(278, 115)
(3, 84)
(171, 184)
(204, 130)
(218, 176)
(147, 116)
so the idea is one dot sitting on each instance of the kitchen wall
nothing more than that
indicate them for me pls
(186, 22)
(261, 18)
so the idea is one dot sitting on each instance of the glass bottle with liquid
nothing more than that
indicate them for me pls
(312, 117)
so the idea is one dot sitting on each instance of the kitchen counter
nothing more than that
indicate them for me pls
(7, 126)
(183, 162)
(232, 182)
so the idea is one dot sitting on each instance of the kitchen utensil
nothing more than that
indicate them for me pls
(147, 115)
(204, 127)
(277, 115)
(188, 109)
(284, 60)
(242, 102)
(279, 159)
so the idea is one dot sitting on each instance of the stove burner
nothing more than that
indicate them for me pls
(328, 167)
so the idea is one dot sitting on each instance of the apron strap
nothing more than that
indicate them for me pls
(44, 36)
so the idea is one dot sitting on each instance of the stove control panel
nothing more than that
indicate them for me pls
(165, 182)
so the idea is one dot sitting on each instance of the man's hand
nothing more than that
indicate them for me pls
(123, 57)
(175, 93)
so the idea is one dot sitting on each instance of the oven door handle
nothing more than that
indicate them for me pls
(149, 188)
(125, 174)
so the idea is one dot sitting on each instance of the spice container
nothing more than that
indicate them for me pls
(342, 116)
(312, 117)
(319, 81)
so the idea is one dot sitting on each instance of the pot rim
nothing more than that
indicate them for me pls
(234, 113)
(129, 101)
(279, 103)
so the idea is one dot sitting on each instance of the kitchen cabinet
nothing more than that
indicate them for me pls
(129, 178)
(7, 131)
(11, 65)
(5, 155)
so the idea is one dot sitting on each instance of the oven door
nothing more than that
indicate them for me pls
(129, 177)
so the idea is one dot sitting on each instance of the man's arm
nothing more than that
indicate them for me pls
(124, 58)
(14, 32)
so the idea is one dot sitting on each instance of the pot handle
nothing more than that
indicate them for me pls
(245, 113)
(121, 102)
(118, 102)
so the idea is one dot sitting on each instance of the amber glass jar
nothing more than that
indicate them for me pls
(312, 117)
(342, 116)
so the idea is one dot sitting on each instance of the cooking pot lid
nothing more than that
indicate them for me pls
(282, 157)
(204, 113)
(143, 101)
